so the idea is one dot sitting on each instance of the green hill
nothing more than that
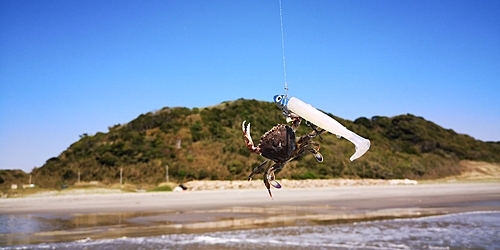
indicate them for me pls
(212, 147)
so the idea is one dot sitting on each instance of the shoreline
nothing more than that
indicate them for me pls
(98, 216)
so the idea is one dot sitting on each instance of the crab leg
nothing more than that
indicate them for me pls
(306, 139)
(259, 169)
(269, 178)
(295, 119)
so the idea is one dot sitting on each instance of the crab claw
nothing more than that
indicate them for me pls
(272, 180)
(246, 130)
(318, 157)
(248, 138)
(316, 153)
(243, 126)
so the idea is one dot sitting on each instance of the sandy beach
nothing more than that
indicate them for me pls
(140, 214)
(346, 197)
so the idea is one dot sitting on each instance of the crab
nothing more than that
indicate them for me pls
(279, 146)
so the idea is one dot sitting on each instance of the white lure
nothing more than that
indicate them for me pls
(320, 119)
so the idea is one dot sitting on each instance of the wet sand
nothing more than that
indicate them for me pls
(72, 217)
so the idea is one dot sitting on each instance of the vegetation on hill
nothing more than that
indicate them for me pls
(207, 143)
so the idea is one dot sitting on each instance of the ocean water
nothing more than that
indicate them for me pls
(472, 230)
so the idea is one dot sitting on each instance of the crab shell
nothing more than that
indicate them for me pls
(278, 144)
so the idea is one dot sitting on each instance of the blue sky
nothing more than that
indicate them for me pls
(74, 67)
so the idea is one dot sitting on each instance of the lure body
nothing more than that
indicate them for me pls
(320, 119)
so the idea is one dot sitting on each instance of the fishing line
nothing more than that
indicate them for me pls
(283, 50)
